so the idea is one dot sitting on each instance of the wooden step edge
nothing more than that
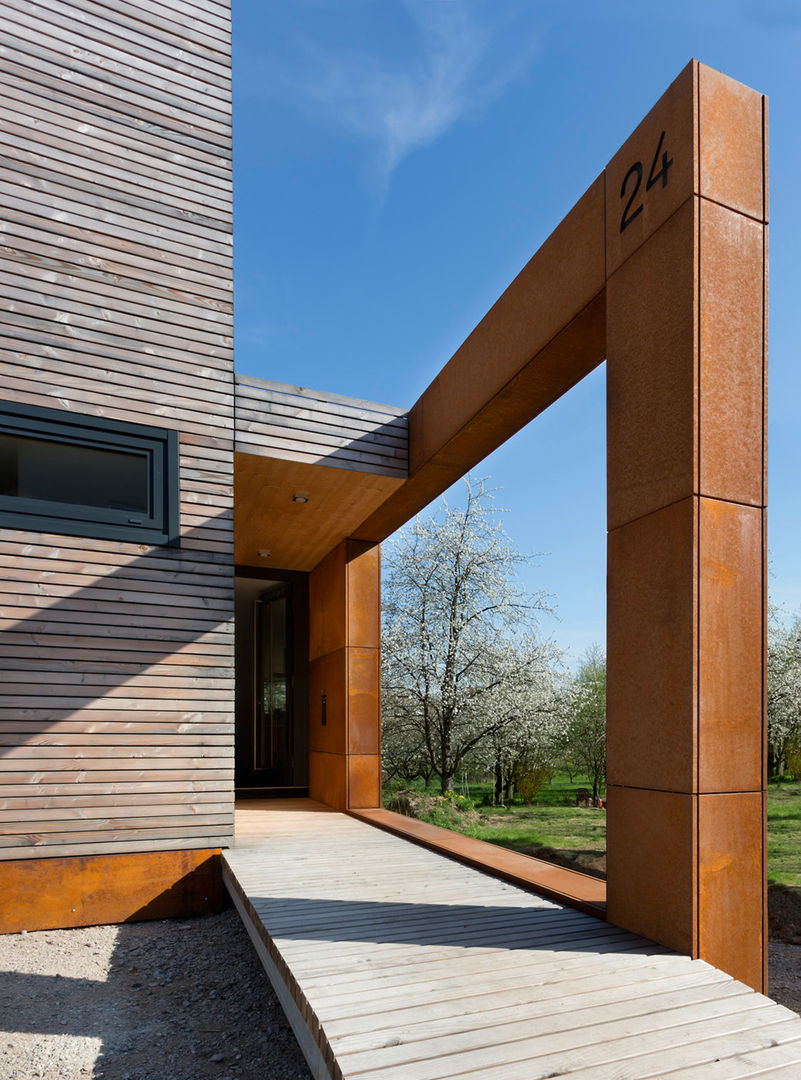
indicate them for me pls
(302, 1020)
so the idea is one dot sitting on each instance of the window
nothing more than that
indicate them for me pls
(87, 476)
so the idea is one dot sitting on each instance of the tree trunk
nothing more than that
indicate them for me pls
(498, 796)
(509, 788)
(446, 775)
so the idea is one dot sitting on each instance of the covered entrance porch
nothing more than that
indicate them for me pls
(669, 292)
(309, 469)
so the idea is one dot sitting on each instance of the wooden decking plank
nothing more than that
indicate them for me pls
(326, 963)
(417, 1021)
(470, 976)
(320, 890)
(672, 1060)
(372, 918)
(440, 981)
(326, 879)
(328, 876)
(536, 1036)
(425, 1037)
(588, 1054)
(416, 951)
(494, 990)
(399, 986)
(406, 960)
(440, 930)
(770, 1062)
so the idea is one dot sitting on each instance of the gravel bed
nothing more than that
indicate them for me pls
(784, 974)
(181, 999)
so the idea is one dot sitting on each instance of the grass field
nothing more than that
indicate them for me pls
(557, 830)
(554, 828)
(784, 833)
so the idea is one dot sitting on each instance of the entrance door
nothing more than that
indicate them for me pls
(272, 656)
(273, 730)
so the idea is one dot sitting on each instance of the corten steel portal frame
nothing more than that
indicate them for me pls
(660, 268)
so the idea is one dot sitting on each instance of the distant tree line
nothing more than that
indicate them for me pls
(784, 696)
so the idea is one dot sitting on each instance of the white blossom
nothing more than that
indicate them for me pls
(462, 655)
(784, 688)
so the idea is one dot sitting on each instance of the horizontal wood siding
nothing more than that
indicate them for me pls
(116, 678)
(296, 424)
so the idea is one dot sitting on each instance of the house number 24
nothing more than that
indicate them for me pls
(633, 180)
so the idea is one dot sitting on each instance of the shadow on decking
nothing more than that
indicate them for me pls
(432, 925)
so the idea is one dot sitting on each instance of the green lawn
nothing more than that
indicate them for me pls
(572, 836)
(553, 829)
(784, 833)
(576, 836)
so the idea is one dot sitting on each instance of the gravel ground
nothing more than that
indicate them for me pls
(182, 999)
(784, 974)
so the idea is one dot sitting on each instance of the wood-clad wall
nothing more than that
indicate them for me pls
(116, 659)
(296, 424)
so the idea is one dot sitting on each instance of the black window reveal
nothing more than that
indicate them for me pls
(87, 476)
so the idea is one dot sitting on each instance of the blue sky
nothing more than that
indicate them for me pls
(396, 163)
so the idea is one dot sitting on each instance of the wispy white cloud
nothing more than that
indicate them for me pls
(257, 334)
(401, 100)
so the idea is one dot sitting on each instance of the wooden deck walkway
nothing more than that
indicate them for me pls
(396, 963)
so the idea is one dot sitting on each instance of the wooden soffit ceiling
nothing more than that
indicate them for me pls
(298, 535)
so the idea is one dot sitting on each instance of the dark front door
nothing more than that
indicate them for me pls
(273, 728)
(272, 651)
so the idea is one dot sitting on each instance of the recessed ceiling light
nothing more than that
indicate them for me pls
(300, 497)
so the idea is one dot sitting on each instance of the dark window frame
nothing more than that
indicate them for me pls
(160, 526)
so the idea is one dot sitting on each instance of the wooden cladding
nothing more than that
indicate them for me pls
(296, 424)
(116, 694)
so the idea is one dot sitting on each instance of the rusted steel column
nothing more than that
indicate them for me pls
(686, 221)
(345, 677)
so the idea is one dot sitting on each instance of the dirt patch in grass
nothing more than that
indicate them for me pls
(784, 913)
(586, 862)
